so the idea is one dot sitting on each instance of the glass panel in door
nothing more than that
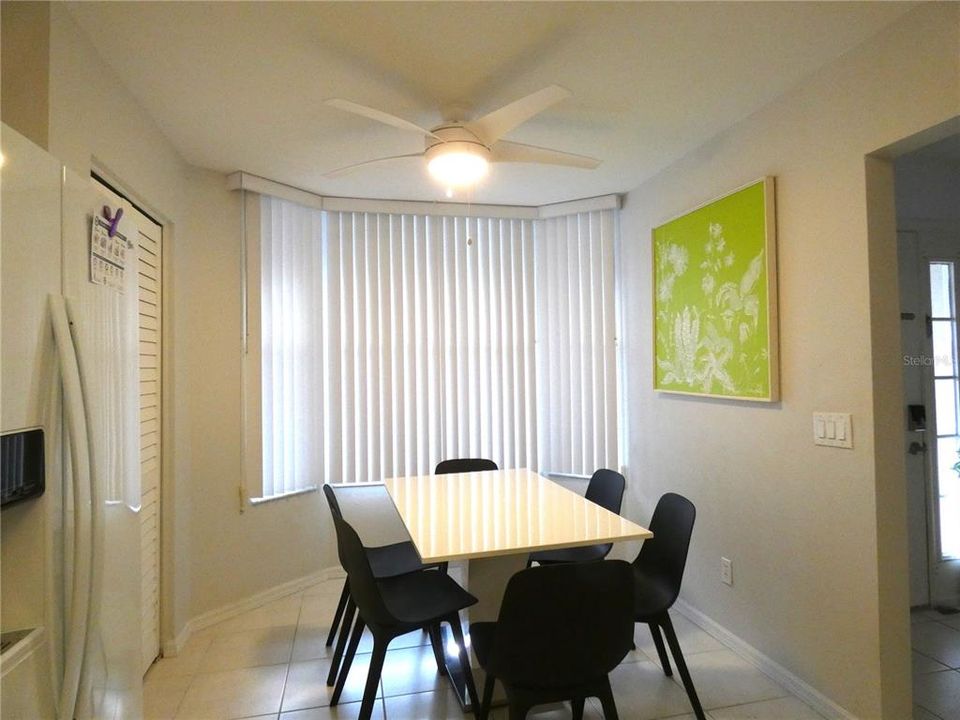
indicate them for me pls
(946, 396)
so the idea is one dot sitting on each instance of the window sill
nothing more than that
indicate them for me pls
(282, 496)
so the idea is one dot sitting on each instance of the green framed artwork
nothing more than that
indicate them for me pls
(715, 298)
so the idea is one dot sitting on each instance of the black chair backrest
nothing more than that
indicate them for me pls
(337, 515)
(353, 558)
(606, 489)
(332, 501)
(561, 625)
(665, 555)
(462, 465)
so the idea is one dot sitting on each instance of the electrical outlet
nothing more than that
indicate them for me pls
(726, 571)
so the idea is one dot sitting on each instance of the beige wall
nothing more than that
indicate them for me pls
(24, 56)
(817, 535)
(233, 555)
(94, 122)
(212, 555)
(813, 583)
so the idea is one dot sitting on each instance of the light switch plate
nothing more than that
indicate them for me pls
(833, 430)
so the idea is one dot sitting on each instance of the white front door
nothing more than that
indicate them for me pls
(914, 301)
(932, 374)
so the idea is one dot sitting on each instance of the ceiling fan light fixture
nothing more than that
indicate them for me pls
(458, 152)
(458, 164)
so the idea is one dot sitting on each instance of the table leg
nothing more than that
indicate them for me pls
(486, 578)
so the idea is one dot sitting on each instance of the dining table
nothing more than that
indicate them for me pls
(493, 520)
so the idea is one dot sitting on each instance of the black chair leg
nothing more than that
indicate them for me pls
(438, 653)
(661, 649)
(487, 697)
(341, 606)
(667, 626)
(454, 621)
(341, 641)
(348, 660)
(373, 677)
(577, 706)
(605, 694)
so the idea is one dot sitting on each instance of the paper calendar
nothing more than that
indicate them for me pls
(108, 255)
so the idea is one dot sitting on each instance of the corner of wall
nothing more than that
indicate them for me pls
(890, 475)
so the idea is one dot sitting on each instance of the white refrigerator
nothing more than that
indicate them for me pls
(70, 559)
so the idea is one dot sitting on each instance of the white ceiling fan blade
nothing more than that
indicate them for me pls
(350, 168)
(378, 115)
(505, 151)
(493, 126)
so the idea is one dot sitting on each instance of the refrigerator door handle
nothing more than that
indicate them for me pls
(76, 426)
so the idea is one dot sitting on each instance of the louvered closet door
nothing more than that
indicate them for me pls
(151, 244)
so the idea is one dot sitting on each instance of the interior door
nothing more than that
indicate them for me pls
(149, 303)
(151, 326)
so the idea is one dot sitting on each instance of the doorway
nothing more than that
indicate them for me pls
(928, 236)
(927, 193)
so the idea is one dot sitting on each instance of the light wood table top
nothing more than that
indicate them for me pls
(500, 512)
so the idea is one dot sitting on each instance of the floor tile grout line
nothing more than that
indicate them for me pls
(283, 690)
(937, 660)
(183, 697)
(928, 710)
(756, 702)
(943, 624)
(929, 657)
(643, 657)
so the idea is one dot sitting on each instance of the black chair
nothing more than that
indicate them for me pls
(606, 490)
(385, 561)
(658, 572)
(463, 465)
(394, 606)
(561, 630)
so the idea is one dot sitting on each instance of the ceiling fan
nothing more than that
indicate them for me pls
(458, 151)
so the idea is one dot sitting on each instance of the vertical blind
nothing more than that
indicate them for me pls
(293, 397)
(392, 341)
(576, 348)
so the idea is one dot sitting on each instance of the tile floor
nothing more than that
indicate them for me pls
(936, 665)
(271, 662)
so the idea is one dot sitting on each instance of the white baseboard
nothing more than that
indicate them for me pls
(774, 670)
(173, 646)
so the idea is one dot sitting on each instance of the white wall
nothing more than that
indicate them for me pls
(819, 587)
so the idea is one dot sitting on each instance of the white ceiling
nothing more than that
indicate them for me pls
(240, 85)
